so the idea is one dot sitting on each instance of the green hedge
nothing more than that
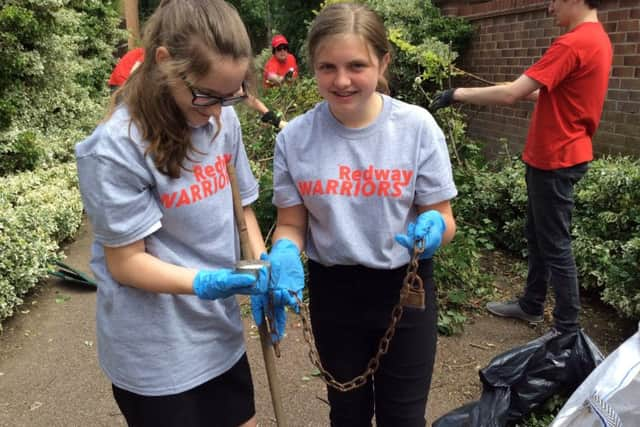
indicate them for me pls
(607, 232)
(38, 211)
(55, 58)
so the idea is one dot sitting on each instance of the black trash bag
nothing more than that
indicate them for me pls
(523, 378)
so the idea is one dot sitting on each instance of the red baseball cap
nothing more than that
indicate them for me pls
(277, 40)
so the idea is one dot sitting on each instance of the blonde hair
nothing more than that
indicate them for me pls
(345, 19)
(193, 32)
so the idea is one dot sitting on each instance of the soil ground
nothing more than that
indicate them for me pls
(49, 375)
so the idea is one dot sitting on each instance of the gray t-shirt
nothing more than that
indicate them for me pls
(150, 343)
(361, 186)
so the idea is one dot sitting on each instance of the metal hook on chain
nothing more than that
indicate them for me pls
(412, 294)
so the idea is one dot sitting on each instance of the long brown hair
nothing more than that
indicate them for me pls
(350, 18)
(191, 30)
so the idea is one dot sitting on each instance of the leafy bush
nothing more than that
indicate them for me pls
(459, 280)
(607, 230)
(608, 198)
(55, 59)
(19, 152)
(38, 211)
(426, 43)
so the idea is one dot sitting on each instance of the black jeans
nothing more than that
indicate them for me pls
(548, 230)
(350, 311)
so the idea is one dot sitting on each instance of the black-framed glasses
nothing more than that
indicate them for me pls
(202, 100)
(282, 47)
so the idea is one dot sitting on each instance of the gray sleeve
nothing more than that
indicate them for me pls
(285, 193)
(117, 193)
(434, 179)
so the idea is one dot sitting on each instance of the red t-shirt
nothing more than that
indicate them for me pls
(273, 65)
(123, 68)
(574, 72)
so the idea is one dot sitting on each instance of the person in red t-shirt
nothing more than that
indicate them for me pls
(125, 66)
(282, 65)
(569, 84)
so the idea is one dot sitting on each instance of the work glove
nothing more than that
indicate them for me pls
(223, 283)
(442, 99)
(430, 227)
(271, 118)
(287, 276)
(289, 74)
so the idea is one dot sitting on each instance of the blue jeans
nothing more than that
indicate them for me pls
(548, 230)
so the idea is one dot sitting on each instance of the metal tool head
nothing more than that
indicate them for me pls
(252, 267)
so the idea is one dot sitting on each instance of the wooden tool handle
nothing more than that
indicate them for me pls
(238, 210)
(265, 339)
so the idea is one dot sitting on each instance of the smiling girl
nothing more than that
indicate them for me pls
(349, 176)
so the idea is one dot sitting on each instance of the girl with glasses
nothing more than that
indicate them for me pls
(155, 187)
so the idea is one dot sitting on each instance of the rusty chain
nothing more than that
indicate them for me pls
(412, 285)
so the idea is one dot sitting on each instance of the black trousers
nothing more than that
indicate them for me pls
(225, 401)
(550, 205)
(350, 311)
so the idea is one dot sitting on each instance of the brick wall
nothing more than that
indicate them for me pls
(512, 34)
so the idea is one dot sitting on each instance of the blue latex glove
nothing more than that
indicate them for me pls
(287, 275)
(222, 283)
(429, 226)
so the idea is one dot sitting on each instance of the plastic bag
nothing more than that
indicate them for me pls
(519, 380)
(609, 396)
